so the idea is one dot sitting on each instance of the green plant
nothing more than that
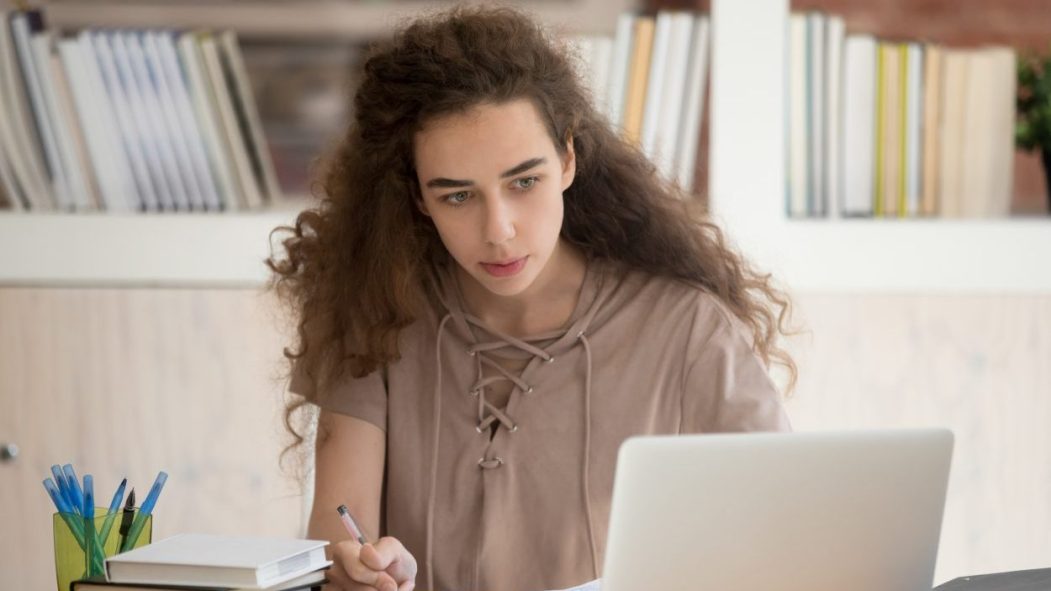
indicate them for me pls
(1033, 127)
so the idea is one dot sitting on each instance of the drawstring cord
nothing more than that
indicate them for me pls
(434, 456)
(587, 452)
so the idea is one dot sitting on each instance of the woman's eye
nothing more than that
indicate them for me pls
(527, 182)
(456, 198)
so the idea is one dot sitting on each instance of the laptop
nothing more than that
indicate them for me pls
(825, 511)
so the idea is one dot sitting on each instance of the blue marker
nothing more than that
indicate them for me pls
(114, 506)
(88, 510)
(145, 511)
(63, 488)
(89, 497)
(92, 547)
(76, 496)
(56, 496)
(64, 510)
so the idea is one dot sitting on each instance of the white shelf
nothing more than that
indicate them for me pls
(309, 19)
(904, 256)
(833, 256)
(147, 250)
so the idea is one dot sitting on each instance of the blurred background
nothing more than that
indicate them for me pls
(899, 197)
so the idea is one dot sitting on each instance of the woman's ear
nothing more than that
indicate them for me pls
(569, 163)
(420, 205)
(417, 195)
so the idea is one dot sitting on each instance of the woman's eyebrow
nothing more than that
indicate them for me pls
(518, 169)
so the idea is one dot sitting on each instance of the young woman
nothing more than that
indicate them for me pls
(495, 291)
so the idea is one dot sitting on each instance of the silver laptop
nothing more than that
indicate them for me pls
(830, 511)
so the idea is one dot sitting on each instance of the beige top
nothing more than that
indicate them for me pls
(528, 509)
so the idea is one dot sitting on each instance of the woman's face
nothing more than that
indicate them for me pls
(492, 182)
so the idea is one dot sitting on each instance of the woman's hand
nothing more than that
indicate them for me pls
(383, 566)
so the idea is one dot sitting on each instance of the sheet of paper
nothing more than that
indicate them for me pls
(595, 585)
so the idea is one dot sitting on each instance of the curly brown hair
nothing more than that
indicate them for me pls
(354, 266)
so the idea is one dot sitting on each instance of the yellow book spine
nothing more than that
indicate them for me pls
(638, 78)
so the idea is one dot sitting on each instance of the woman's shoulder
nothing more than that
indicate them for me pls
(672, 300)
(650, 287)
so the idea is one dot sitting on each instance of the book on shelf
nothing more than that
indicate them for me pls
(859, 126)
(665, 125)
(690, 125)
(166, 120)
(890, 118)
(124, 120)
(29, 181)
(620, 63)
(895, 128)
(817, 112)
(650, 80)
(797, 187)
(909, 197)
(236, 77)
(950, 165)
(932, 111)
(653, 102)
(205, 560)
(638, 77)
(834, 108)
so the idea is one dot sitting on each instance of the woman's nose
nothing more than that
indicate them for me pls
(499, 222)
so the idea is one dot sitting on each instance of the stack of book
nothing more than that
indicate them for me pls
(127, 121)
(649, 79)
(202, 562)
(880, 128)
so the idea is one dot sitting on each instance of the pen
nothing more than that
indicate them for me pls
(91, 541)
(64, 510)
(114, 506)
(56, 496)
(89, 515)
(126, 518)
(146, 509)
(89, 497)
(63, 490)
(351, 525)
(76, 496)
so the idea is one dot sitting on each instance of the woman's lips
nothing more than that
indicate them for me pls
(505, 269)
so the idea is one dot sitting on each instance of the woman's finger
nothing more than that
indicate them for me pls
(353, 575)
(390, 555)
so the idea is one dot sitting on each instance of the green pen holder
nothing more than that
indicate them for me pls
(81, 548)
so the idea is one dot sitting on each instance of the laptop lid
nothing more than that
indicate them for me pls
(778, 511)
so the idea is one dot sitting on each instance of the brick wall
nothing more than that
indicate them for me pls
(1023, 24)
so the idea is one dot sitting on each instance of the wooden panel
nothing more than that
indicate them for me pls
(129, 382)
(126, 382)
(977, 365)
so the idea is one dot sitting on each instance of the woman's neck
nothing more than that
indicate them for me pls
(544, 306)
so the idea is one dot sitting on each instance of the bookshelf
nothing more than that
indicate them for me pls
(747, 177)
(747, 180)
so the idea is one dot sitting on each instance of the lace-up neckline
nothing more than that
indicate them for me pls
(539, 350)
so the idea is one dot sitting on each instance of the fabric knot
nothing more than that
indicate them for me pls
(488, 414)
